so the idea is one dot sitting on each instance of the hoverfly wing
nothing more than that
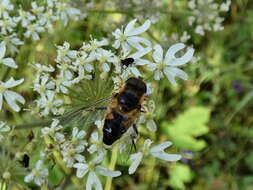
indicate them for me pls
(85, 114)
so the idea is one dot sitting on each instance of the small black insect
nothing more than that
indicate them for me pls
(25, 161)
(127, 61)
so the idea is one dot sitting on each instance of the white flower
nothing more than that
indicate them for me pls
(64, 12)
(83, 65)
(92, 168)
(96, 143)
(52, 131)
(24, 17)
(48, 103)
(225, 6)
(36, 9)
(64, 58)
(129, 37)
(42, 84)
(12, 41)
(38, 175)
(93, 46)
(5, 7)
(6, 61)
(7, 24)
(33, 30)
(62, 84)
(148, 115)
(71, 150)
(156, 151)
(168, 65)
(11, 97)
(3, 129)
(105, 57)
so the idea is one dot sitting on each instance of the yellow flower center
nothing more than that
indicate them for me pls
(2, 88)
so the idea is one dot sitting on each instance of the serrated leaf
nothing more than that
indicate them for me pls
(187, 127)
(180, 174)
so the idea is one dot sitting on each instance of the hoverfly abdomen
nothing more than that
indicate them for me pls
(113, 128)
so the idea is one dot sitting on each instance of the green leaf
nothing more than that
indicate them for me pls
(187, 127)
(249, 160)
(180, 174)
(55, 175)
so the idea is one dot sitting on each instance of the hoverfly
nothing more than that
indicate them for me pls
(124, 110)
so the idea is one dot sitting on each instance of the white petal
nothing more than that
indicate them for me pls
(88, 67)
(10, 63)
(79, 157)
(93, 180)
(151, 125)
(140, 53)
(136, 159)
(139, 30)
(11, 102)
(2, 49)
(167, 157)
(172, 51)
(15, 96)
(12, 83)
(182, 60)
(136, 41)
(81, 134)
(161, 146)
(158, 75)
(74, 131)
(158, 53)
(82, 169)
(135, 71)
(172, 72)
(29, 178)
(130, 26)
(141, 62)
(105, 67)
(105, 172)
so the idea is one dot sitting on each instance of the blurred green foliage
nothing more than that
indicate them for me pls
(187, 127)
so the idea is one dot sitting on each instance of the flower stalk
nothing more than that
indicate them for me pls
(112, 166)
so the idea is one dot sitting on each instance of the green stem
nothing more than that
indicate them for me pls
(112, 166)
(61, 163)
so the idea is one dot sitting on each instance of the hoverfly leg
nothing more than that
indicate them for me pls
(101, 108)
(133, 143)
(135, 129)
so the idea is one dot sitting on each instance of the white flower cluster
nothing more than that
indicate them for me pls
(38, 19)
(206, 15)
(34, 21)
